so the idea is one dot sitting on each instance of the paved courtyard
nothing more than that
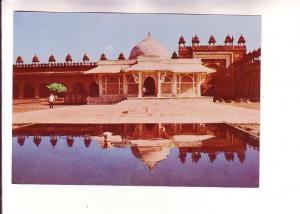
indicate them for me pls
(143, 111)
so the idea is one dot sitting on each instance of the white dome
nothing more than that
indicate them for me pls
(149, 47)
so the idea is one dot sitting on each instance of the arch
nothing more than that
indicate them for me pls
(186, 78)
(29, 90)
(187, 85)
(15, 91)
(78, 94)
(149, 87)
(78, 88)
(94, 90)
(43, 90)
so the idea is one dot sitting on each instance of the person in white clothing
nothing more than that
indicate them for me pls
(51, 100)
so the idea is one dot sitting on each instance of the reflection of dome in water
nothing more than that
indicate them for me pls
(149, 47)
(150, 155)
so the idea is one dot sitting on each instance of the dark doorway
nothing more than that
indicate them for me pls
(28, 91)
(94, 90)
(15, 91)
(149, 87)
(44, 91)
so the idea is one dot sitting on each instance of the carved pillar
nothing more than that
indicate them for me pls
(125, 86)
(158, 84)
(140, 85)
(174, 85)
(200, 79)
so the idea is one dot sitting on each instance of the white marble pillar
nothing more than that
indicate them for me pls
(158, 84)
(174, 85)
(140, 85)
(199, 82)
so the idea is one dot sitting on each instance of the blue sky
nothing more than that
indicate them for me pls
(45, 33)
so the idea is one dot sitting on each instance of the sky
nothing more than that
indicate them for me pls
(45, 33)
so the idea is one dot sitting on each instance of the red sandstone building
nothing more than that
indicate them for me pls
(150, 70)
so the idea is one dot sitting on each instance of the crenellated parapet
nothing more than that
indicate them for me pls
(54, 67)
(235, 51)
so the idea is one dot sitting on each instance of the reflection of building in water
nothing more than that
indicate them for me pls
(229, 145)
(37, 140)
(108, 142)
(70, 141)
(21, 140)
(151, 151)
(152, 142)
(150, 155)
(53, 140)
(87, 141)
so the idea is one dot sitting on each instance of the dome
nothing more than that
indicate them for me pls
(85, 58)
(181, 40)
(228, 39)
(149, 47)
(150, 155)
(19, 60)
(195, 39)
(121, 56)
(211, 40)
(241, 40)
(103, 57)
(51, 58)
(69, 58)
(35, 59)
(174, 55)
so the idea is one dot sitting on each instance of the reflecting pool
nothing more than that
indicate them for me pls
(205, 155)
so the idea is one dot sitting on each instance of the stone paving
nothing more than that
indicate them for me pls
(143, 111)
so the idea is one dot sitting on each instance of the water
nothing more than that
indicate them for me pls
(205, 155)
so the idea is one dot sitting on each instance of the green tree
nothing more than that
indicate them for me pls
(57, 88)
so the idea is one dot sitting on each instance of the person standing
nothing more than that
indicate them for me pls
(51, 100)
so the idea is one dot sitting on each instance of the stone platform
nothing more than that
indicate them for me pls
(143, 111)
